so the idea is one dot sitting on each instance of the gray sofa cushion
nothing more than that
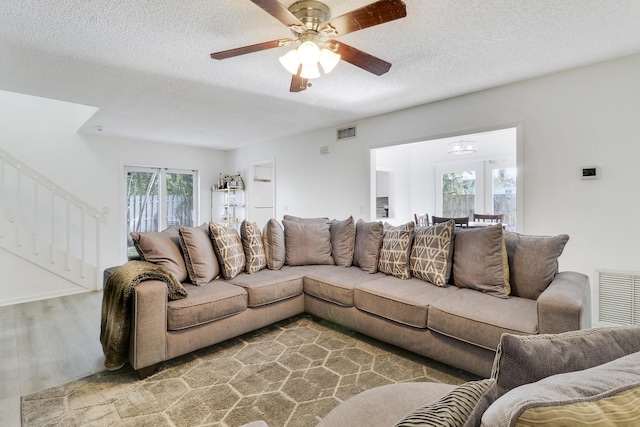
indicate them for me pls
(343, 241)
(273, 243)
(481, 319)
(461, 407)
(336, 285)
(205, 304)
(269, 286)
(368, 242)
(551, 354)
(385, 405)
(307, 243)
(162, 248)
(199, 256)
(480, 261)
(533, 262)
(604, 395)
(403, 301)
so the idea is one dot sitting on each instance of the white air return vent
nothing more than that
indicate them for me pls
(618, 297)
(346, 133)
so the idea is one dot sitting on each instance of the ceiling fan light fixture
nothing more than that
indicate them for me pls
(328, 60)
(308, 53)
(290, 61)
(310, 71)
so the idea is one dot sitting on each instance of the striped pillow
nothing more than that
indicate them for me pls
(462, 406)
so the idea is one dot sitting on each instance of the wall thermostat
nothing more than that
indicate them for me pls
(589, 172)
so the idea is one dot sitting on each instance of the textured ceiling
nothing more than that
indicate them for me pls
(145, 64)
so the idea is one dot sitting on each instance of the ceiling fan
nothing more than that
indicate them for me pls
(311, 24)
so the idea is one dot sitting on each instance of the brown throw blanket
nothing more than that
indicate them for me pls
(115, 324)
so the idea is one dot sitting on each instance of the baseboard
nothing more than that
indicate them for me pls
(41, 296)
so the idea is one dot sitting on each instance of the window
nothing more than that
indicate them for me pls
(159, 198)
(458, 194)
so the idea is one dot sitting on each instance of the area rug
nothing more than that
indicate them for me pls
(290, 374)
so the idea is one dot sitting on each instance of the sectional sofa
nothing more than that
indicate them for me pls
(440, 291)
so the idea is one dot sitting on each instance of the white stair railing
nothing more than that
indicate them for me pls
(48, 226)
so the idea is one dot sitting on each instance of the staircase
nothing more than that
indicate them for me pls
(47, 226)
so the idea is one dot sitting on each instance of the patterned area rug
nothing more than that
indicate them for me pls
(291, 373)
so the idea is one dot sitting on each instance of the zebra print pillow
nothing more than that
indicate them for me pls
(461, 407)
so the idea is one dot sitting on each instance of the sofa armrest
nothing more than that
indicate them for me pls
(148, 342)
(566, 304)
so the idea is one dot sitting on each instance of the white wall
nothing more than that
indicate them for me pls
(587, 116)
(42, 134)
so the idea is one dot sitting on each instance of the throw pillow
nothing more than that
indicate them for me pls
(228, 248)
(525, 359)
(273, 243)
(461, 407)
(368, 242)
(253, 249)
(480, 261)
(162, 248)
(431, 253)
(305, 220)
(533, 262)
(604, 395)
(307, 243)
(199, 256)
(343, 241)
(396, 246)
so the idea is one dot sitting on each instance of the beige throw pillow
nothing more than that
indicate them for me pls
(273, 243)
(307, 243)
(228, 248)
(343, 241)
(396, 247)
(533, 262)
(480, 261)
(368, 243)
(199, 256)
(431, 253)
(253, 248)
(162, 248)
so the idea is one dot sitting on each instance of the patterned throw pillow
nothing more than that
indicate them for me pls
(228, 248)
(162, 248)
(431, 253)
(253, 250)
(461, 407)
(199, 256)
(396, 245)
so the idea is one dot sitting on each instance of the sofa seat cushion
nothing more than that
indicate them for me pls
(336, 284)
(207, 303)
(269, 286)
(481, 319)
(404, 301)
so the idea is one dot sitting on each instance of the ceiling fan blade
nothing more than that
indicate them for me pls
(362, 59)
(278, 11)
(298, 84)
(224, 54)
(373, 14)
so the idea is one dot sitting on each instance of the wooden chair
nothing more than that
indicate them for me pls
(460, 222)
(497, 218)
(421, 220)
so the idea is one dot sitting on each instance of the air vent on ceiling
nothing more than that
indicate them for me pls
(346, 133)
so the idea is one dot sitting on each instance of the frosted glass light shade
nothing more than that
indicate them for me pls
(308, 53)
(328, 60)
(310, 71)
(462, 147)
(290, 61)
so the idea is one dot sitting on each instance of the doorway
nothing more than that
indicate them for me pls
(261, 185)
